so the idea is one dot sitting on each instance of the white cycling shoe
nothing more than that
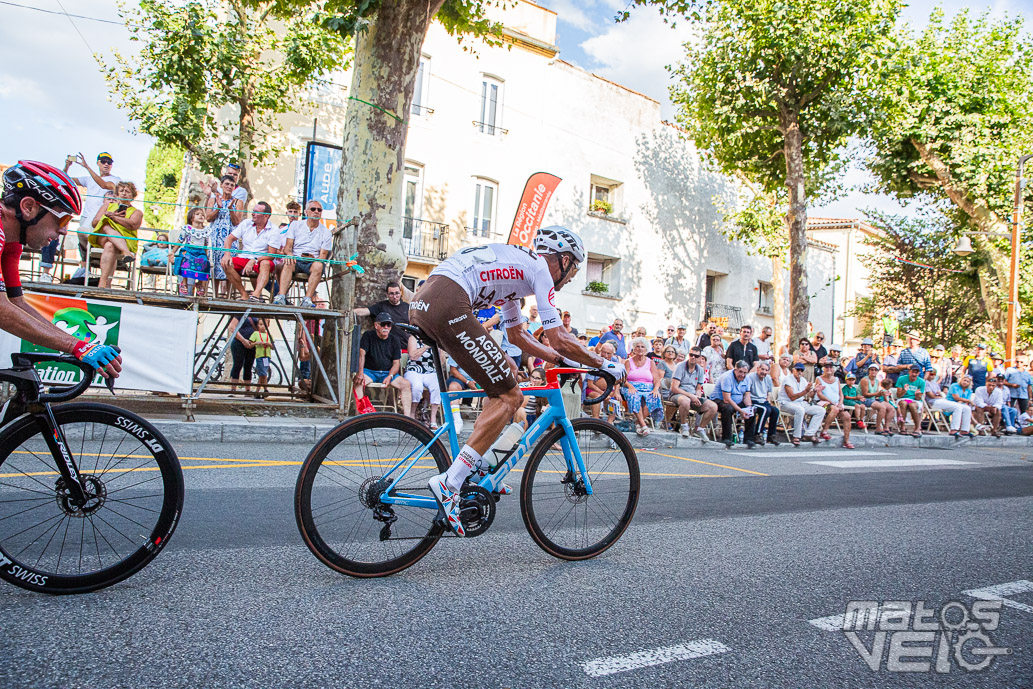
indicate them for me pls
(448, 499)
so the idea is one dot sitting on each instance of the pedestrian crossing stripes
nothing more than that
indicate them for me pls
(601, 667)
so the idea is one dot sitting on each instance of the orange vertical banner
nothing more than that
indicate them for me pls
(537, 192)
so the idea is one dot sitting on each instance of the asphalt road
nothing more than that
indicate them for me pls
(730, 558)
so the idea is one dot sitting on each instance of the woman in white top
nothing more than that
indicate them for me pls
(794, 399)
(715, 356)
(830, 395)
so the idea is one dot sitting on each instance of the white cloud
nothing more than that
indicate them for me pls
(573, 13)
(635, 53)
(61, 106)
(22, 90)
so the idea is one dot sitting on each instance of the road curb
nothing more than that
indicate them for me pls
(254, 431)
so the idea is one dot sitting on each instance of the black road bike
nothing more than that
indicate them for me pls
(89, 493)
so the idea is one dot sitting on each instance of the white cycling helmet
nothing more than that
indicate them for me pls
(559, 240)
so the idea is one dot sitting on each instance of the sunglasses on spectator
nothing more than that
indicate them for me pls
(63, 217)
(315, 209)
(819, 338)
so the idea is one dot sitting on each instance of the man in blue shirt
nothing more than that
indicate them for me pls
(732, 394)
(616, 337)
(1018, 380)
(915, 354)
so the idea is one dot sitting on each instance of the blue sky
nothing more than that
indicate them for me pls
(61, 106)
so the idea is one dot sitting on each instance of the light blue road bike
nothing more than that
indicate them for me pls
(364, 508)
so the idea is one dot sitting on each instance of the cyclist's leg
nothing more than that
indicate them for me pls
(447, 317)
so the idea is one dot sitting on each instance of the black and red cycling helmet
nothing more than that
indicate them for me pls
(45, 183)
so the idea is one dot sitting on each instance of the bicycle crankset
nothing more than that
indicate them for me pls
(476, 509)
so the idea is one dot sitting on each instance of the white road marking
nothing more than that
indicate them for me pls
(999, 592)
(862, 463)
(832, 623)
(812, 453)
(601, 667)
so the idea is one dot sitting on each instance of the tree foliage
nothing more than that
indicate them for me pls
(250, 57)
(161, 186)
(941, 302)
(458, 17)
(762, 60)
(954, 111)
(773, 92)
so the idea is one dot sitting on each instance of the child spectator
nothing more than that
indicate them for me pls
(852, 400)
(304, 361)
(263, 342)
(192, 263)
(156, 253)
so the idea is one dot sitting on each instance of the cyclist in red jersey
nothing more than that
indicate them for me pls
(37, 204)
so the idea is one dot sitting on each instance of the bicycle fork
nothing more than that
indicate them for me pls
(55, 439)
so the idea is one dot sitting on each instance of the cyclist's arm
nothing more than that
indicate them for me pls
(21, 320)
(567, 345)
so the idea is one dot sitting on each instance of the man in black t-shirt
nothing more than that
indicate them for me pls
(380, 360)
(742, 349)
(394, 307)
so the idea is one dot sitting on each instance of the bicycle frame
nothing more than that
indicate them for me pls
(553, 414)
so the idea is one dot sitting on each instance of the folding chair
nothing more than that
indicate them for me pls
(123, 264)
(936, 417)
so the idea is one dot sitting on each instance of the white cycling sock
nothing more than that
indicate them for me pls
(457, 417)
(463, 465)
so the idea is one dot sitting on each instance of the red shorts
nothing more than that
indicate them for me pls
(239, 262)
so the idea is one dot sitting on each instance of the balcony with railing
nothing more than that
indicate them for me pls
(424, 239)
(729, 317)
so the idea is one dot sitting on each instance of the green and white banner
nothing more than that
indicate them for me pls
(157, 344)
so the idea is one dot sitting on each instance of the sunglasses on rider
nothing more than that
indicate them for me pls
(63, 217)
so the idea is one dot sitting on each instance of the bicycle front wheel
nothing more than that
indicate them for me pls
(337, 499)
(558, 513)
(134, 487)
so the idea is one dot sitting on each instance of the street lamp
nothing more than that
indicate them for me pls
(964, 248)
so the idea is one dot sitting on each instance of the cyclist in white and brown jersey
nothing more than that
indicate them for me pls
(497, 275)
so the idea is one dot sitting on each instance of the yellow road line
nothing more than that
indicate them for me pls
(698, 461)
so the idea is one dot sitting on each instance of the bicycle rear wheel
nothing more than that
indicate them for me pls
(337, 502)
(135, 489)
(561, 518)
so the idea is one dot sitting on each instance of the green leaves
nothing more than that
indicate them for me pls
(762, 61)
(202, 56)
(941, 302)
(964, 89)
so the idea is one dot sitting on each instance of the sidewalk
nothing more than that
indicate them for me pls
(213, 428)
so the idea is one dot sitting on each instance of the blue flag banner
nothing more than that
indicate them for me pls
(323, 177)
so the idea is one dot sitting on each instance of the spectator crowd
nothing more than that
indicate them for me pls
(222, 244)
(714, 385)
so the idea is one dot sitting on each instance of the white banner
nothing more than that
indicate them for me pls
(157, 344)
